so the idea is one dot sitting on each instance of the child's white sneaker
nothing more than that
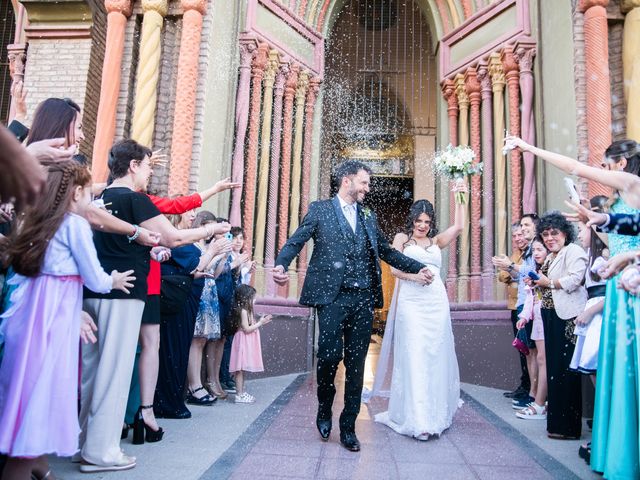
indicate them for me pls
(245, 398)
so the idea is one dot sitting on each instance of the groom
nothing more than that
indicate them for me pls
(343, 282)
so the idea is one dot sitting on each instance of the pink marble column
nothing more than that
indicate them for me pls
(184, 117)
(448, 91)
(309, 110)
(513, 88)
(258, 67)
(242, 119)
(524, 57)
(117, 13)
(473, 90)
(285, 161)
(488, 277)
(276, 141)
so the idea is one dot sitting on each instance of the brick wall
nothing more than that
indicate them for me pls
(56, 68)
(94, 77)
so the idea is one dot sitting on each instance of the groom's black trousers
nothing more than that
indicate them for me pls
(345, 325)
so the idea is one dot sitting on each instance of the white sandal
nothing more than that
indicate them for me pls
(533, 412)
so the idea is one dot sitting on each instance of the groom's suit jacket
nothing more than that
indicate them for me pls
(622, 224)
(327, 226)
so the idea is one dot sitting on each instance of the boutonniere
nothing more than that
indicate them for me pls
(366, 213)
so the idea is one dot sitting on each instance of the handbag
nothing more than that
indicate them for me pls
(520, 342)
(174, 290)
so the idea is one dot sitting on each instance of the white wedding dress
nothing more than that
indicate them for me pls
(418, 346)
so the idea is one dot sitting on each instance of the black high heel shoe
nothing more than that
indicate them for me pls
(140, 428)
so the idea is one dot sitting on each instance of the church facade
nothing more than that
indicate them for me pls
(275, 93)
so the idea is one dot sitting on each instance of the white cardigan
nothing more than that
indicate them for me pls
(569, 268)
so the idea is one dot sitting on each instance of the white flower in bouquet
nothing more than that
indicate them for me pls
(456, 163)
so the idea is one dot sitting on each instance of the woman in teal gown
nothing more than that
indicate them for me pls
(614, 446)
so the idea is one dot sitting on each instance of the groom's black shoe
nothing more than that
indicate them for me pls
(324, 427)
(350, 441)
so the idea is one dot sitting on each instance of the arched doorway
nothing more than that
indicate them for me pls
(380, 101)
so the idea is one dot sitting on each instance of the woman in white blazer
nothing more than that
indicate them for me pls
(563, 298)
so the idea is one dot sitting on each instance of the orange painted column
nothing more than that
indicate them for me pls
(251, 166)
(117, 13)
(475, 281)
(185, 106)
(512, 76)
(596, 51)
(464, 250)
(448, 91)
(309, 110)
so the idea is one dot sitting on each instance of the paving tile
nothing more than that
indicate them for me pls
(333, 449)
(500, 452)
(278, 465)
(422, 471)
(437, 450)
(302, 434)
(338, 469)
(509, 473)
(292, 447)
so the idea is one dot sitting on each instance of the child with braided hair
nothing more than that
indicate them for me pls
(53, 255)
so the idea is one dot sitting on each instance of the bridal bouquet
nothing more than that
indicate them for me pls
(456, 163)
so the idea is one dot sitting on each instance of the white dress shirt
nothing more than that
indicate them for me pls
(350, 212)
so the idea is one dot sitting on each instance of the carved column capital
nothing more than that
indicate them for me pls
(301, 88)
(292, 81)
(159, 6)
(472, 85)
(627, 5)
(509, 62)
(524, 57)
(448, 91)
(496, 71)
(485, 80)
(461, 91)
(260, 60)
(312, 94)
(121, 6)
(281, 78)
(17, 59)
(197, 5)
(246, 53)
(271, 68)
(585, 5)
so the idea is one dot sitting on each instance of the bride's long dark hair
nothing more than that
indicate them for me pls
(418, 208)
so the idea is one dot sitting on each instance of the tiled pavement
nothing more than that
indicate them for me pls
(276, 438)
(287, 445)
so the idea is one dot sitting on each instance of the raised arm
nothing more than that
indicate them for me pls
(220, 186)
(619, 180)
(443, 239)
(172, 237)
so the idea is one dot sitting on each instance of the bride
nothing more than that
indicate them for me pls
(418, 340)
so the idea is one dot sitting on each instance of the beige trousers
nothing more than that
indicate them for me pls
(106, 375)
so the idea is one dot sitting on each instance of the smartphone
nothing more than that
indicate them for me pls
(534, 276)
(228, 236)
(570, 186)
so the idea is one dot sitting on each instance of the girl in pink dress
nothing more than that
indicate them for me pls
(246, 352)
(53, 255)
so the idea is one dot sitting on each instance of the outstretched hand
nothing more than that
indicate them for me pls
(279, 275)
(584, 215)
